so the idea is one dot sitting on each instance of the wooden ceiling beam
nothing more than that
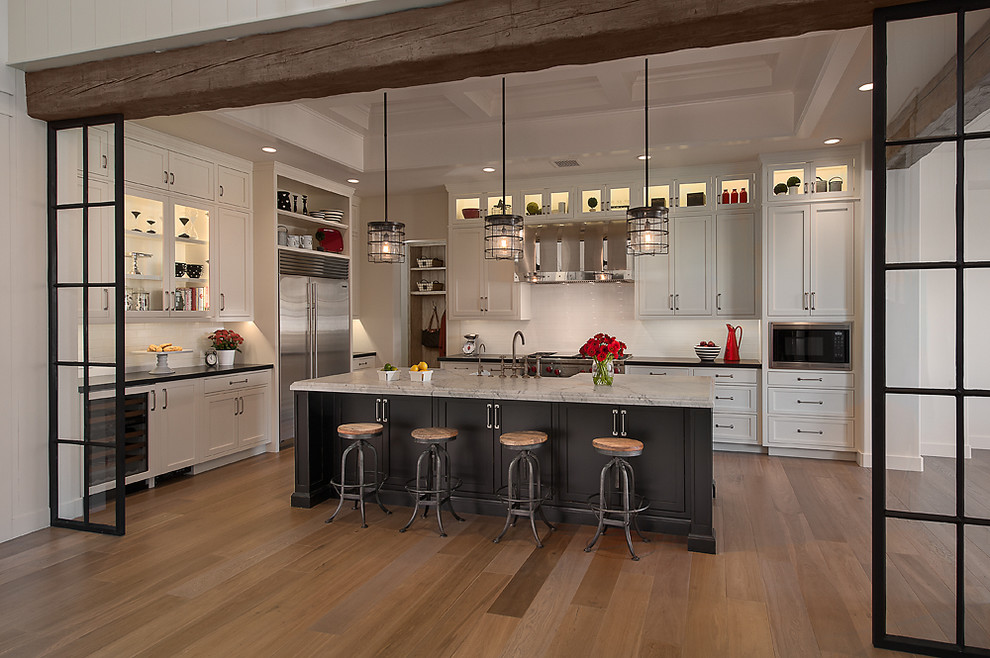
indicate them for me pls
(421, 46)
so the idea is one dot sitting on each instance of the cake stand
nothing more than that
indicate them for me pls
(161, 367)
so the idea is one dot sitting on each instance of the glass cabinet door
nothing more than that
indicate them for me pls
(535, 204)
(786, 179)
(832, 179)
(658, 193)
(190, 294)
(468, 207)
(592, 200)
(618, 199)
(692, 194)
(734, 191)
(144, 243)
(553, 202)
(495, 205)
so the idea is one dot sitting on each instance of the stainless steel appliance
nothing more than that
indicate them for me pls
(811, 345)
(554, 364)
(314, 326)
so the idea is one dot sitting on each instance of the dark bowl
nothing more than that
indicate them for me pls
(194, 271)
(180, 269)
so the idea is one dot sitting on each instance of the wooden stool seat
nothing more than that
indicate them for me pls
(433, 434)
(359, 430)
(617, 447)
(524, 439)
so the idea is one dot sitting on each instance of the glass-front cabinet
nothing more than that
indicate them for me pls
(656, 195)
(692, 193)
(824, 178)
(604, 200)
(735, 191)
(167, 247)
(554, 203)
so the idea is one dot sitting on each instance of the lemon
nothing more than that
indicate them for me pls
(423, 367)
(414, 368)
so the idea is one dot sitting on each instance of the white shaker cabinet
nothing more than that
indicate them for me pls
(680, 282)
(810, 260)
(163, 169)
(479, 287)
(233, 187)
(735, 264)
(102, 251)
(235, 274)
(174, 422)
(237, 408)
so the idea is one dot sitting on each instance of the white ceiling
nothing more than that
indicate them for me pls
(715, 105)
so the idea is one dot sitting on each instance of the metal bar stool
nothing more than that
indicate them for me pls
(358, 434)
(619, 499)
(433, 485)
(524, 494)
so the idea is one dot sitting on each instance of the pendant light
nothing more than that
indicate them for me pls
(386, 239)
(503, 231)
(646, 226)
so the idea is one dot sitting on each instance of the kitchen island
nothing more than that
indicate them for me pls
(672, 416)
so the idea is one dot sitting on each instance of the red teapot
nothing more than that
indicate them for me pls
(731, 344)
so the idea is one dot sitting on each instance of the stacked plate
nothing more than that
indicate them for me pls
(332, 215)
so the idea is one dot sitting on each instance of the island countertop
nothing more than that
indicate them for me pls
(638, 390)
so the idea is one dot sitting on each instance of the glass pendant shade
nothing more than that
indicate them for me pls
(386, 242)
(503, 237)
(647, 231)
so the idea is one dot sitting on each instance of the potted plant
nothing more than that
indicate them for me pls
(793, 183)
(603, 349)
(780, 188)
(226, 343)
(592, 203)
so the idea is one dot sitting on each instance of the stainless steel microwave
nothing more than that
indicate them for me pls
(811, 345)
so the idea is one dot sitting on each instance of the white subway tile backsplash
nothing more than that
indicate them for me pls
(190, 335)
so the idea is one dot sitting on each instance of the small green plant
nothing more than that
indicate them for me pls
(592, 203)
(780, 188)
(793, 181)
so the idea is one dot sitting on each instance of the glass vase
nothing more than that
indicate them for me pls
(604, 372)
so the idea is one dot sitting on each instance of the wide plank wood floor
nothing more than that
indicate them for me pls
(219, 564)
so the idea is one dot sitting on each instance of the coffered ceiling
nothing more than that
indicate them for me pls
(724, 104)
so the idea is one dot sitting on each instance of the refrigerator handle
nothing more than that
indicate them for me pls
(316, 347)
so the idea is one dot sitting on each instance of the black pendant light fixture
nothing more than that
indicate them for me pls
(503, 231)
(386, 239)
(646, 227)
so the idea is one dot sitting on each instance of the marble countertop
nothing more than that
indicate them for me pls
(639, 390)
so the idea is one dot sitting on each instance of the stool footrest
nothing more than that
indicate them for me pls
(503, 495)
(445, 486)
(637, 504)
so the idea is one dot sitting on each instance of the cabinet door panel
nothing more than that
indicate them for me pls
(357, 408)
(404, 413)
(252, 423)
(663, 435)
(735, 265)
(500, 288)
(145, 164)
(518, 416)
(579, 465)
(653, 286)
(234, 273)
(464, 269)
(191, 176)
(472, 454)
(692, 265)
(832, 260)
(221, 424)
(179, 415)
(787, 261)
(233, 187)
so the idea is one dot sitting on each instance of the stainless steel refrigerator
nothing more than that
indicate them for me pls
(314, 327)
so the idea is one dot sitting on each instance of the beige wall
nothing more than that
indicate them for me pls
(382, 295)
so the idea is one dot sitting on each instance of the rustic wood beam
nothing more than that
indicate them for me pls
(421, 46)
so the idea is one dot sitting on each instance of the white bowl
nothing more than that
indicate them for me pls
(707, 353)
(387, 375)
(420, 375)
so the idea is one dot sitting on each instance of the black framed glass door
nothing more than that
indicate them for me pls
(94, 432)
(930, 369)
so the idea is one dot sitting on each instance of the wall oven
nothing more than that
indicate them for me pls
(811, 345)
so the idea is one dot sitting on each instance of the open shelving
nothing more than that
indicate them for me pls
(421, 303)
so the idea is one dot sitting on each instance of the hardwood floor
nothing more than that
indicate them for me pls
(219, 564)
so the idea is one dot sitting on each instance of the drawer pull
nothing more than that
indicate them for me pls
(237, 381)
(725, 397)
(810, 402)
(728, 427)
(658, 373)
(810, 432)
(809, 379)
(729, 376)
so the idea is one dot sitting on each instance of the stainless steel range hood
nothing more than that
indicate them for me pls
(575, 251)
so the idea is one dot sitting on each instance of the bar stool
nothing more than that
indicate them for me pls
(524, 494)
(358, 434)
(433, 485)
(619, 499)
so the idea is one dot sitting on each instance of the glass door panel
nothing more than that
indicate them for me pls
(832, 178)
(534, 204)
(560, 203)
(497, 207)
(786, 179)
(692, 195)
(145, 255)
(191, 263)
(659, 193)
(734, 191)
(618, 199)
(467, 207)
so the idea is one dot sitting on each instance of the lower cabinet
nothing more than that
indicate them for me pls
(236, 417)
(174, 421)
(810, 410)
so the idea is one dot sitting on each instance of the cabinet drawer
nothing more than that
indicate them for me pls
(728, 375)
(735, 398)
(734, 428)
(363, 362)
(807, 379)
(812, 402)
(236, 382)
(828, 434)
(458, 365)
(657, 370)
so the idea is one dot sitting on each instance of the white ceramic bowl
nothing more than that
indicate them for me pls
(421, 375)
(707, 353)
(387, 375)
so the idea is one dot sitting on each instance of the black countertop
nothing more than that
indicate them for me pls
(143, 377)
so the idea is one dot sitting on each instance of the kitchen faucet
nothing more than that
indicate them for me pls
(523, 338)
(481, 348)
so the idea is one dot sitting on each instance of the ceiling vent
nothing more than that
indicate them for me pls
(566, 163)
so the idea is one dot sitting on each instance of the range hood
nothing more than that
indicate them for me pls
(574, 252)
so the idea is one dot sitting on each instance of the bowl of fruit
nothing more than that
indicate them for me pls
(388, 373)
(707, 350)
(420, 372)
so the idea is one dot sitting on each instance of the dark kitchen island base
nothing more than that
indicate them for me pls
(674, 472)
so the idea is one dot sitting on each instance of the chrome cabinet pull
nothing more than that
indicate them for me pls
(154, 399)
(718, 301)
(800, 431)
(384, 410)
(165, 404)
(378, 410)
(729, 376)
(488, 422)
(498, 419)
(237, 381)
(725, 397)
(670, 302)
(725, 427)
(812, 301)
(615, 423)
(809, 379)
(806, 301)
(623, 432)
(677, 302)
(106, 299)
(810, 402)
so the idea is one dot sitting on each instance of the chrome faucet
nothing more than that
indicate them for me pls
(518, 334)
(481, 348)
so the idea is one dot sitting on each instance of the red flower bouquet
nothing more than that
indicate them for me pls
(603, 349)
(225, 339)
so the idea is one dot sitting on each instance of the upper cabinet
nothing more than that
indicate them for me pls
(604, 201)
(819, 177)
(736, 274)
(233, 187)
(735, 191)
(172, 171)
(479, 287)
(679, 283)
(693, 193)
(548, 203)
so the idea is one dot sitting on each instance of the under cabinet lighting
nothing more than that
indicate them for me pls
(866, 87)
(269, 149)
(832, 140)
(488, 170)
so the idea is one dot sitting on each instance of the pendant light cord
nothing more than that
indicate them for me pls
(504, 212)
(646, 125)
(385, 141)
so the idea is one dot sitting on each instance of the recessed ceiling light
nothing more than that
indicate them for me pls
(269, 149)
(353, 181)
(644, 157)
(867, 87)
(488, 170)
(832, 140)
